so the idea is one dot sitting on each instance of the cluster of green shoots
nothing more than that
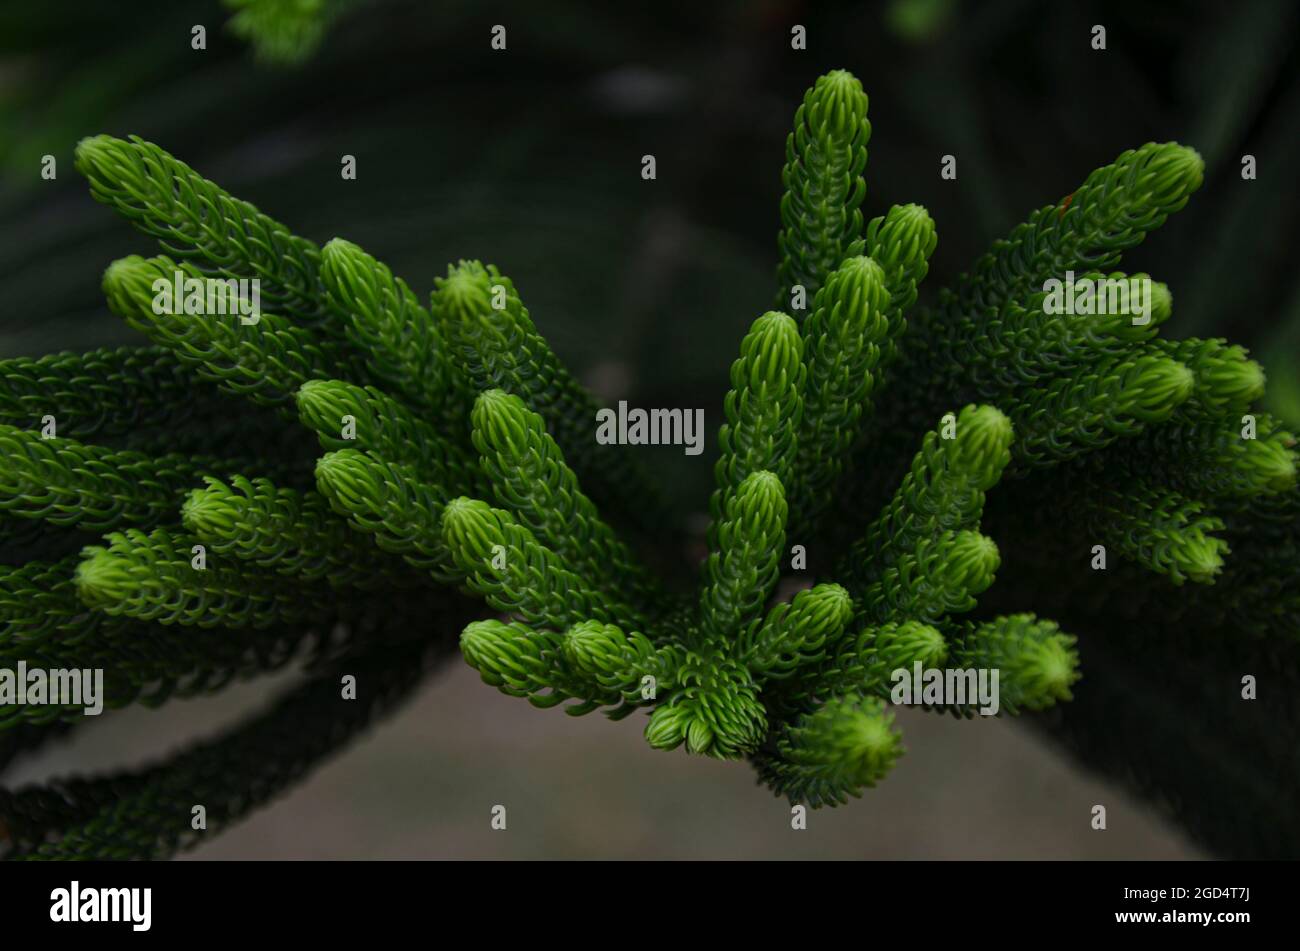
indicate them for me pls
(340, 471)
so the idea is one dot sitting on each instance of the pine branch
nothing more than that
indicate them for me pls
(505, 564)
(530, 478)
(628, 663)
(715, 710)
(797, 633)
(67, 483)
(1023, 346)
(196, 220)
(741, 572)
(1112, 211)
(153, 577)
(150, 663)
(764, 410)
(422, 413)
(290, 532)
(1209, 459)
(523, 662)
(1227, 382)
(387, 428)
(845, 746)
(147, 814)
(284, 32)
(105, 393)
(493, 345)
(39, 604)
(1159, 529)
(264, 361)
(844, 342)
(944, 491)
(901, 242)
(593, 663)
(391, 502)
(824, 159)
(942, 575)
(403, 349)
(1037, 663)
(866, 665)
(1116, 398)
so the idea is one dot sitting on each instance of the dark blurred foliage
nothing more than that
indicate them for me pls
(531, 158)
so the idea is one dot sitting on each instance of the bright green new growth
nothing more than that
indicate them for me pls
(870, 661)
(942, 575)
(798, 632)
(196, 220)
(289, 531)
(1209, 460)
(825, 156)
(844, 342)
(528, 475)
(1116, 398)
(1037, 663)
(901, 242)
(944, 491)
(450, 448)
(507, 565)
(845, 746)
(1112, 211)
(263, 361)
(494, 345)
(68, 483)
(744, 567)
(156, 576)
(402, 347)
(390, 502)
(763, 407)
(345, 416)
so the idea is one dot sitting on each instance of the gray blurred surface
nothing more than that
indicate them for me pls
(423, 785)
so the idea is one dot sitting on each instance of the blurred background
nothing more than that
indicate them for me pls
(530, 158)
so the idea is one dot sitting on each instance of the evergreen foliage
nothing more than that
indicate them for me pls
(457, 452)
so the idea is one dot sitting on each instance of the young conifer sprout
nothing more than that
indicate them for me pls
(428, 466)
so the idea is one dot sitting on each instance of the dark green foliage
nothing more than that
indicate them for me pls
(148, 813)
(457, 449)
